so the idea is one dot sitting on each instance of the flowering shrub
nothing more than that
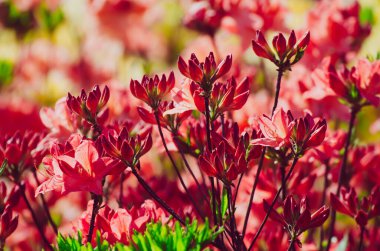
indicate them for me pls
(176, 125)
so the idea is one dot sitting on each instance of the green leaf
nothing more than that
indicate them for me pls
(3, 166)
(224, 202)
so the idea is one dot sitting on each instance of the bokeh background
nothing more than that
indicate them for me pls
(50, 47)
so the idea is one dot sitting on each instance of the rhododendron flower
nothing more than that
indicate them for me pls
(8, 224)
(297, 218)
(224, 96)
(283, 130)
(205, 16)
(119, 225)
(357, 84)
(17, 151)
(204, 73)
(170, 120)
(126, 147)
(90, 107)
(77, 166)
(276, 131)
(362, 212)
(368, 76)
(60, 121)
(307, 134)
(152, 90)
(225, 162)
(10, 199)
(284, 54)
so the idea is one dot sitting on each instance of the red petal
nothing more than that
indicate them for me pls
(304, 42)
(183, 68)
(196, 72)
(223, 67)
(339, 206)
(291, 40)
(260, 51)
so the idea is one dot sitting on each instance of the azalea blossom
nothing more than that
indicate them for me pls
(76, 166)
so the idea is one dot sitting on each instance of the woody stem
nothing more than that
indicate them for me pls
(274, 202)
(342, 172)
(209, 146)
(260, 166)
(278, 87)
(95, 209)
(156, 115)
(261, 161)
(45, 206)
(360, 248)
(283, 184)
(155, 196)
(291, 245)
(325, 185)
(190, 171)
(35, 219)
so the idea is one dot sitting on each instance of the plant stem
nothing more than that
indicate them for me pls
(209, 147)
(291, 245)
(342, 172)
(45, 206)
(232, 218)
(175, 166)
(278, 87)
(155, 196)
(256, 181)
(35, 219)
(325, 185)
(261, 161)
(283, 184)
(362, 230)
(274, 202)
(95, 209)
(189, 169)
(237, 188)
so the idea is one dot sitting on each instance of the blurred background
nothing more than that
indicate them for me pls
(50, 47)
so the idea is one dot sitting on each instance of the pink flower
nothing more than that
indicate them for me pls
(276, 131)
(368, 76)
(77, 166)
(60, 121)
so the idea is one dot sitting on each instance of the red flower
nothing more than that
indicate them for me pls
(205, 16)
(368, 75)
(225, 162)
(224, 96)
(119, 225)
(8, 224)
(91, 107)
(276, 131)
(307, 134)
(358, 85)
(284, 54)
(169, 117)
(297, 218)
(152, 90)
(205, 73)
(127, 147)
(283, 130)
(76, 166)
(18, 152)
(361, 212)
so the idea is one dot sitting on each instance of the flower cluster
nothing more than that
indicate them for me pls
(165, 125)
